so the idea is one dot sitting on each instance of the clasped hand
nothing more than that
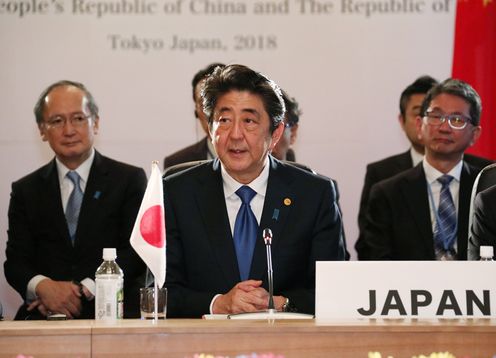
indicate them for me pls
(246, 296)
(57, 297)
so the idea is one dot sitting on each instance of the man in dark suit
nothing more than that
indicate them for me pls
(202, 149)
(422, 213)
(410, 102)
(216, 260)
(62, 215)
(484, 223)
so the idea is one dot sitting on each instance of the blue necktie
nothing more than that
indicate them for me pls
(245, 232)
(74, 204)
(445, 233)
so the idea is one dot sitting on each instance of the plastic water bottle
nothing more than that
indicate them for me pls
(486, 253)
(109, 282)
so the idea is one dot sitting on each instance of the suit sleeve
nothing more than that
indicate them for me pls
(361, 245)
(327, 244)
(183, 301)
(377, 228)
(484, 223)
(20, 250)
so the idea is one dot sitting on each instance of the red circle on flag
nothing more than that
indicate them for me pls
(152, 226)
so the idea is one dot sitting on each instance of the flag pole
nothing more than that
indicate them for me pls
(155, 296)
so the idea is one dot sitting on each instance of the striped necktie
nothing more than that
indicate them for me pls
(245, 232)
(74, 204)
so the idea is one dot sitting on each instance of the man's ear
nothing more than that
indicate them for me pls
(294, 134)
(476, 132)
(401, 119)
(418, 122)
(276, 134)
(43, 134)
(96, 125)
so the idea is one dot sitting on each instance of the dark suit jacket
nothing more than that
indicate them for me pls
(484, 223)
(38, 237)
(398, 223)
(201, 260)
(387, 168)
(197, 151)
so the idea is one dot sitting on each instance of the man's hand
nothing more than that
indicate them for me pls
(246, 296)
(58, 297)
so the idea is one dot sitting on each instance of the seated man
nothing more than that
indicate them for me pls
(422, 213)
(62, 215)
(484, 223)
(216, 211)
(203, 149)
(409, 104)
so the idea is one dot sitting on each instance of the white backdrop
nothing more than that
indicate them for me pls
(345, 61)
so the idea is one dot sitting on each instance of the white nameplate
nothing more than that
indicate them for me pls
(405, 289)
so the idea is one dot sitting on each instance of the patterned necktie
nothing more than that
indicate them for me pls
(74, 204)
(245, 232)
(446, 225)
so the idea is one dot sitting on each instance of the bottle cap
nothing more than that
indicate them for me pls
(486, 251)
(109, 254)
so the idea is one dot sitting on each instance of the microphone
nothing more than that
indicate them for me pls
(271, 314)
(267, 236)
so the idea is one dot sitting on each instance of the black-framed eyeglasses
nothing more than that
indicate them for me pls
(77, 120)
(455, 121)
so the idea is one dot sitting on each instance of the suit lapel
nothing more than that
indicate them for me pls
(277, 205)
(467, 179)
(50, 194)
(212, 206)
(94, 193)
(414, 190)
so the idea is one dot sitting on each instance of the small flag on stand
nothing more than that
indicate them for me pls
(148, 236)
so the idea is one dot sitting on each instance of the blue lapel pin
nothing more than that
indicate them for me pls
(275, 214)
(97, 194)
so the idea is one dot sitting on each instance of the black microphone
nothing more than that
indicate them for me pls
(267, 236)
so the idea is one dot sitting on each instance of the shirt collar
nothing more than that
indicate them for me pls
(83, 170)
(259, 184)
(416, 156)
(431, 173)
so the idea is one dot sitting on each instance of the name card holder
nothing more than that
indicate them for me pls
(405, 289)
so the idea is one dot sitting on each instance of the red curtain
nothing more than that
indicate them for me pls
(474, 61)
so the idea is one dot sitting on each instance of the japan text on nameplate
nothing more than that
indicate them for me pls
(405, 289)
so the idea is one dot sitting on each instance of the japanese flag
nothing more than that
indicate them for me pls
(148, 236)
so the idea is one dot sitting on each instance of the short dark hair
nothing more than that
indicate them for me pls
(293, 111)
(460, 89)
(421, 85)
(242, 78)
(40, 104)
(202, 74)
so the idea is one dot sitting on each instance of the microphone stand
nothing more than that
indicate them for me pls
(267, 236)
(271, 314)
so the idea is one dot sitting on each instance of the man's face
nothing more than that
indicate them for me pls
(287, 139)
(442, 141)
(71, 143)
(409, 122)
(199, 107)
(241, 134)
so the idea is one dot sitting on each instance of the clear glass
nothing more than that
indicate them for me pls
(147, 302)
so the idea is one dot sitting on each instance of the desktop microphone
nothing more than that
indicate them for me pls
(267, 236)
(271, 314)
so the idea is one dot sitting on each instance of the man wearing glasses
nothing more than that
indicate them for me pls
(62, 215)
(422, 213)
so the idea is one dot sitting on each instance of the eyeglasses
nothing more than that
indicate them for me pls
(455, 121)
(77, 120)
